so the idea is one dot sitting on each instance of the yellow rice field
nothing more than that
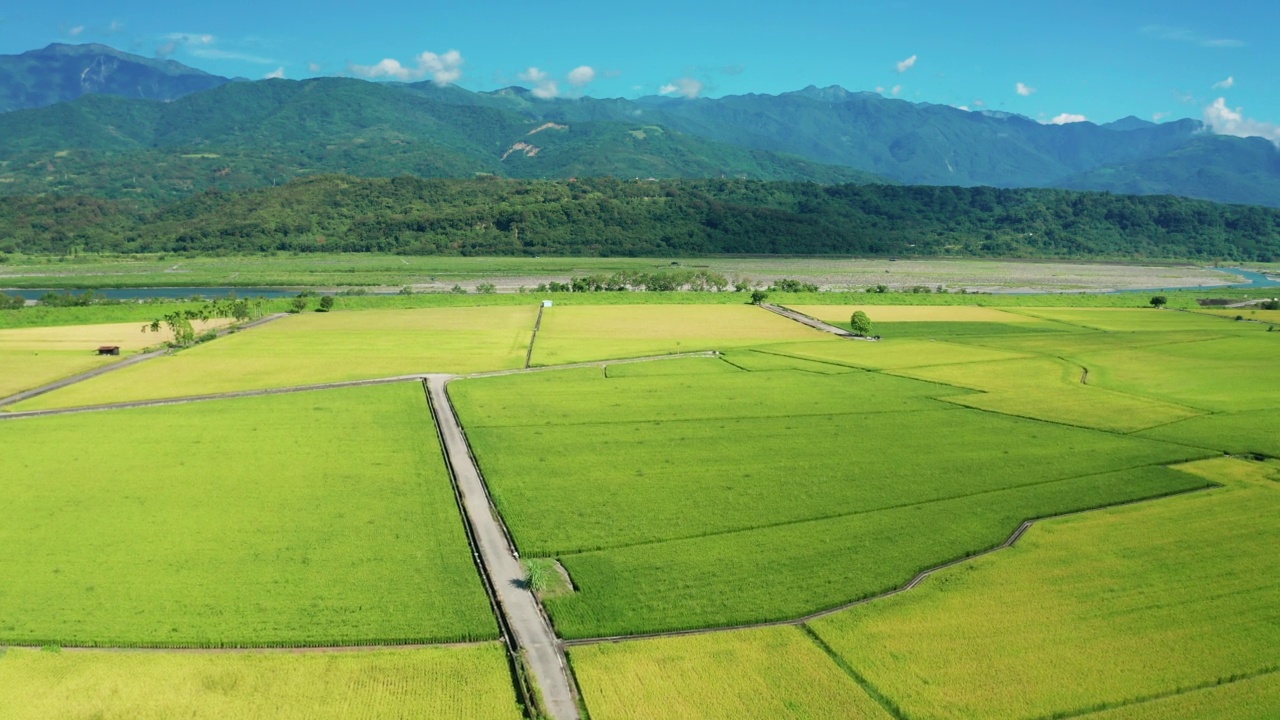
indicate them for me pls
(1089, 611)
(455, 682)
(582, 333)
(744, 675)
(317, 348)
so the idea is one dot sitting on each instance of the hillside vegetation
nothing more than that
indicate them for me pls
(603, 216)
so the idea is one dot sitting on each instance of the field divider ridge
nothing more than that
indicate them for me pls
(910, 585)
(562, 553)
(333, 385)
(531, 630)
(90, 374)
(537, 325)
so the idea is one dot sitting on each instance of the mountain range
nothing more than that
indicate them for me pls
(88, 119)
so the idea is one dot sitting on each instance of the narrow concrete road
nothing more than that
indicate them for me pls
(542, 652)
(64, 382)
(810, 321)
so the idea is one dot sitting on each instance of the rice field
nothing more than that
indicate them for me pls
(1129, 319)
(596, 472)
(581, 333)
(1052, 389)
(317, 518)
(1086, 612)
(468, 683)
(315, 348)
(31, 357)
(793, 473)
(1243, 433)
(746, 675)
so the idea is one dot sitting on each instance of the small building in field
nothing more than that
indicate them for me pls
(546, 303)
(109, 350)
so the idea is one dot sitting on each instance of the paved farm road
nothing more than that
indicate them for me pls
(533, 635)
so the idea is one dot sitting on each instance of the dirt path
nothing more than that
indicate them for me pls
(813, 322)
(531, 632)
(64, 382)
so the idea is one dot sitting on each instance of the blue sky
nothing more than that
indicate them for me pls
(1098, 60)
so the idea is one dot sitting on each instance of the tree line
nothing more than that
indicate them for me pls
(609, 217)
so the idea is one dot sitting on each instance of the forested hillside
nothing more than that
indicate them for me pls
(626, 217)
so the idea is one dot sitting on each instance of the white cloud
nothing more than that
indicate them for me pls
(1157, 117)
(1066, 118)
(544, 87)
(75, 30)
(1164, 32)
(212, 53)
(686, 87)
(880, 89)
(897, 90)
(387, 68)
(313, 67)
(114, 27)
(444, 69)
(907, 64)
(1226, 121)
(581, 76)
(276, 74)
(1225, 84)
(979, 103)
(962, 107)
(1023, 89)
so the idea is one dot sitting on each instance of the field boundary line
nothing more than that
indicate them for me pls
(949, 407)
(856, 513)
(332, 386)
(1154, 697)
(250, 649)
(206, 398)
(81, 377)
(910, 585)
(537, 325)
(872, 691)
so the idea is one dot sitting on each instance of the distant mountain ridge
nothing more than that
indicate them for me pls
(59, 73)
(211, 132)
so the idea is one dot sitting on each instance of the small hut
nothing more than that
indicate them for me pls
(109, 350)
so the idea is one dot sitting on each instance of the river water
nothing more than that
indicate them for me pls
(1255, 280)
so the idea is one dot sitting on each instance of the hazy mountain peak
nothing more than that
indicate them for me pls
(831, 93)
(1128, 123)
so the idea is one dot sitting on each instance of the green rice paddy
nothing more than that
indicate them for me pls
(318, 518)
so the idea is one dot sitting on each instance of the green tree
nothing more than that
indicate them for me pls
(1159, 301)
(326, 304)
(298, 305)
(758, 296)
(860, 323)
